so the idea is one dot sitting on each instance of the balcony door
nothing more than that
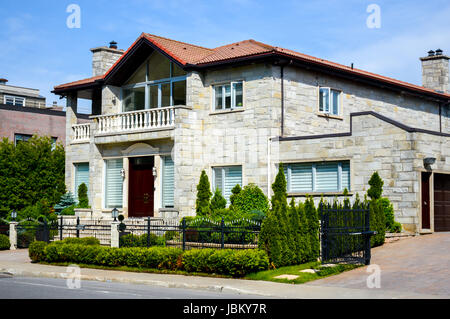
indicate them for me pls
(141, 187)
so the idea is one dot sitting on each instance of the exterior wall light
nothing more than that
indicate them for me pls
(115, 213)
(122, 173)
(14, 214)
(154, 172)
(427, 161)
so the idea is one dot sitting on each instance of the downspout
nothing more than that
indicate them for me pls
(440, 117)
(282, 99)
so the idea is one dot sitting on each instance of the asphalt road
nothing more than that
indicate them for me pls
(50, 288)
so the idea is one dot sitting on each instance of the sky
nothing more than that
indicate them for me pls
(39, 50)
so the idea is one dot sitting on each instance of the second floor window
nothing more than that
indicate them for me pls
(14, 100)
(228, 96)
(329, 101)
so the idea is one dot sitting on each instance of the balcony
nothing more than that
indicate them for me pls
(128, 122)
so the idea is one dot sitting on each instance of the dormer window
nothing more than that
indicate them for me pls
(228, 96)
(329, 101)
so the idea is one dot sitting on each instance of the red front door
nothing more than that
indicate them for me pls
(141, 187)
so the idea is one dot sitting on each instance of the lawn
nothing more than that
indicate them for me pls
(269, 275)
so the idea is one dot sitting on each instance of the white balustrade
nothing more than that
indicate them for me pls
(137, 120)
(81, 132)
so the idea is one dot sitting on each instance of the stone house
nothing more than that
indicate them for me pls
(164, 110)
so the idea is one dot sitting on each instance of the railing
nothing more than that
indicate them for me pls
(137, 120)
(81, 132)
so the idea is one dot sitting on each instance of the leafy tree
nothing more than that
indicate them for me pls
(30, 171)
(202, 205)
(251, 198)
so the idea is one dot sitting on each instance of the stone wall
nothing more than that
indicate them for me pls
(375, 145)
(302, 105)
(103, 58)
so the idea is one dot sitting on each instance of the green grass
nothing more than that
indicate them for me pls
(268, 275)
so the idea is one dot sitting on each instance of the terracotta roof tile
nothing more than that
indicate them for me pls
(189, 54)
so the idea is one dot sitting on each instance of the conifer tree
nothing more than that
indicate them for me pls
(202, 205)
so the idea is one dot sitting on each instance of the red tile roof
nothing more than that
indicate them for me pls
(192, 55)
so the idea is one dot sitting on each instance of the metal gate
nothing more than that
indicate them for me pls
(345, 234)
(31, 230)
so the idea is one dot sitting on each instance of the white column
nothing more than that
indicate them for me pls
(115, 234)
(13, 235)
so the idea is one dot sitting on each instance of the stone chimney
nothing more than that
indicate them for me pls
(435, 73)
(104, 57)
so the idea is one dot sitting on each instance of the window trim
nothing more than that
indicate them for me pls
(21, 134)
(330, 102)
(232, 96)
(314, 190)
(14, 97)
(222, 167)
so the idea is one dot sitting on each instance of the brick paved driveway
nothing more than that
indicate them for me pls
(419, 264)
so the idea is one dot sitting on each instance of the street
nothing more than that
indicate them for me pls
(51, 288)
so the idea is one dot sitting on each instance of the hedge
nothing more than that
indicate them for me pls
(131, 240)
(4, 242)
(236, 263)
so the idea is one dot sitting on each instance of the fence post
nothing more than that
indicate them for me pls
(222, 242)
(61, 227)
(78, 227)
(148, 231)
(183, 229)
(46, 232)
(367, 237)
(13, 235)
(115, 234)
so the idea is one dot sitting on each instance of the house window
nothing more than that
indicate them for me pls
(81, 176)
(14, 100)
(168, 185)
(158, 82)
(113, 183)
(318, 177)
(21, 138)
(329, 101)
(225, 178)
(228, 96)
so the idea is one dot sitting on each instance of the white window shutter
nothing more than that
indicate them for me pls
(114, 182)
(168, 182)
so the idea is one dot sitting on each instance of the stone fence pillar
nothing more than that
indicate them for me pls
(13, 235)
(115, 234)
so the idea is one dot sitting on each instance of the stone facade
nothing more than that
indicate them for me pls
(435, 72)
(203, 138)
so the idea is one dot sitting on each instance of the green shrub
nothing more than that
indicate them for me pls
(236, 263)
(81, 241)
(83, 200)
(4, 242)
(218, 202)
(202, 204)
(391, 225)
(68, 211)
(36, 251)
(131, 240)
(376, 186)
(251, 198)
(377, 223)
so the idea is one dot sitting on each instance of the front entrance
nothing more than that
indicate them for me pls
(441, 202)
(141, 187)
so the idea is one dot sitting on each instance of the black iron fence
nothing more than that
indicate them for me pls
(345, 234)
(188, 234)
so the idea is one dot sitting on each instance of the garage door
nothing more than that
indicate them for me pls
(441, 202)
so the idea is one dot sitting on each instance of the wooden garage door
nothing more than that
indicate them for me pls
(441, 202)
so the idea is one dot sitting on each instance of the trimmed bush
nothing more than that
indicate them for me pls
(4, 242)
(36, 251)
(202, 204)
(131, 240)
(250, 198)
(391, 225)
(81, 241)
(377, 223)
(83, 201)
(376, 186)
(236, 263)
(218, 202)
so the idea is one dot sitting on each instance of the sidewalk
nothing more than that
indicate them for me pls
(17, 263)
